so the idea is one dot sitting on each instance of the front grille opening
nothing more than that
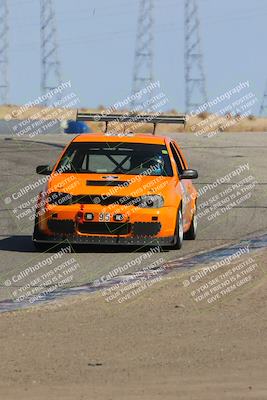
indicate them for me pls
(146, 228)
(61, 226)
(105, 228)
(106, 201)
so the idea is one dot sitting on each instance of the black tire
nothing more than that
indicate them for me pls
(36, 231)
(37, 234)
(40, 246)
(178, 235)
(191, 234)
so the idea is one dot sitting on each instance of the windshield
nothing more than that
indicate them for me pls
(116, 158)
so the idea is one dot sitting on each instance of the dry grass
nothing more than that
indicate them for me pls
(201, 124)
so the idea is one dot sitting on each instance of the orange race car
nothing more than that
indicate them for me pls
(118, 189)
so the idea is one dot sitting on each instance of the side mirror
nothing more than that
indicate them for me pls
(43, 170)
(189, 174)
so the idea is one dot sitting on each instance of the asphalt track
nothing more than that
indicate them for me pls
(214, 158)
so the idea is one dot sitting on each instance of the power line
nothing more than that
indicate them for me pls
(4, 41)
(195, 80)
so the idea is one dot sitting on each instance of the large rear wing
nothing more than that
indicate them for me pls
(131, 117)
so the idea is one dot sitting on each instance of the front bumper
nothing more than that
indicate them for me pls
(143, 226)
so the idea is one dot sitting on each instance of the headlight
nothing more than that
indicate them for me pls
(59, 199)
(151, 201)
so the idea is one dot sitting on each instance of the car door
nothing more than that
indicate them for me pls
(185, 184)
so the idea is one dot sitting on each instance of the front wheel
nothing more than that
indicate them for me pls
(191, 234)
(179, 231)
(40, 246)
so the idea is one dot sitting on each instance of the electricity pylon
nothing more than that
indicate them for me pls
(143, 63)
(195, 80)
(50, 64)
(263, 108)
(4, 30)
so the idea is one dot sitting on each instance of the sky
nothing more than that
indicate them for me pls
(96, 41)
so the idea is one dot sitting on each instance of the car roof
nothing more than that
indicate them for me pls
(129, 138)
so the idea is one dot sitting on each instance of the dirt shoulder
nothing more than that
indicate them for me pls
(160, 345)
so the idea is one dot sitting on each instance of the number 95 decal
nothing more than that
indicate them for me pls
(104, 217)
